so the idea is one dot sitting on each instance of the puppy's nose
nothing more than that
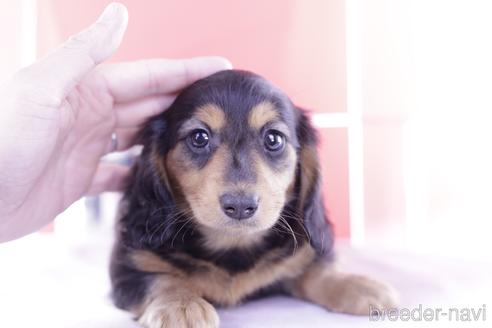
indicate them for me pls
(239, 206)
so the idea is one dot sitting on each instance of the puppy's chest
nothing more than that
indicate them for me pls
(228, 288)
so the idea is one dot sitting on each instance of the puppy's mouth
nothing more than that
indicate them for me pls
(252, 223)
(235, 212)
(261, 221)
(225, 223)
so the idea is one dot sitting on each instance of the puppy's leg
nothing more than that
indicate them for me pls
(171, 303)
(342, 292)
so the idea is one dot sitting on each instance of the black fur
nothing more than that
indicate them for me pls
(314, 213)
(148, 204)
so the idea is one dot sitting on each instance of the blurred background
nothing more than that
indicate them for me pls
(400, 91)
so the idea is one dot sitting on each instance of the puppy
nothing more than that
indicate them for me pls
(224, 205)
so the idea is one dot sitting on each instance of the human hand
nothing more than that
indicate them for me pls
(57, 117)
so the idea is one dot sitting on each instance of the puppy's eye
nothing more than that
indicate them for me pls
(274, 141)
(199, 138)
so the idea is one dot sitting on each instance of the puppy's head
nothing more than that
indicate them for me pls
(229, 149)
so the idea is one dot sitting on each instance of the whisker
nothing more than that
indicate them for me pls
(173, 218)
(159, 226)
(176, 221)
(177, 233)
(180, 217)
(294, 216)
(281, 219)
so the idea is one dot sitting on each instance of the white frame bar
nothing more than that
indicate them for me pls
(353, 44)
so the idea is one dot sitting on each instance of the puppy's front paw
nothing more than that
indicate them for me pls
(195, 313)
(355, 294)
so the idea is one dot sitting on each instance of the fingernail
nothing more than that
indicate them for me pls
(113, 11)
(228, 63)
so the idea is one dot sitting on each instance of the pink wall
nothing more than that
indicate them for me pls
(10, 34)
(299, 45)
(334, 165)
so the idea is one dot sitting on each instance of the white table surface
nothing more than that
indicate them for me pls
(47, 282)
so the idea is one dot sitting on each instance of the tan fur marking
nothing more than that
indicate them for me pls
(343, 292)
(202, 197)
(150, 262)
(218, 285)
(261, 114)
(212, 115)
(273, 187)
(229, 290)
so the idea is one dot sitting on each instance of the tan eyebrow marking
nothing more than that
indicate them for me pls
(212, 115)
(261, 114)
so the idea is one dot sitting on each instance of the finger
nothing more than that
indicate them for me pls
(109, 177)
(135, 113)
(64, 67)
(125, 139)
(132, 80)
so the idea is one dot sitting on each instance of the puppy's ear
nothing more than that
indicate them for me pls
(148, 201)
(153, 130)
(310, 199)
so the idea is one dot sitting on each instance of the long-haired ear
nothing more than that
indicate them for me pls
(310, 199)
(148, 198)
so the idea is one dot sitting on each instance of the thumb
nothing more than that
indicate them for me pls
(64, 67)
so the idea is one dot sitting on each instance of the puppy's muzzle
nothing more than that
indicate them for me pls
(239, 206)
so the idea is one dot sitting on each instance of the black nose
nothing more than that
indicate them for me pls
(239, 206)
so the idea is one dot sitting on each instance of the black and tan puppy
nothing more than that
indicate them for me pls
(225, 205)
